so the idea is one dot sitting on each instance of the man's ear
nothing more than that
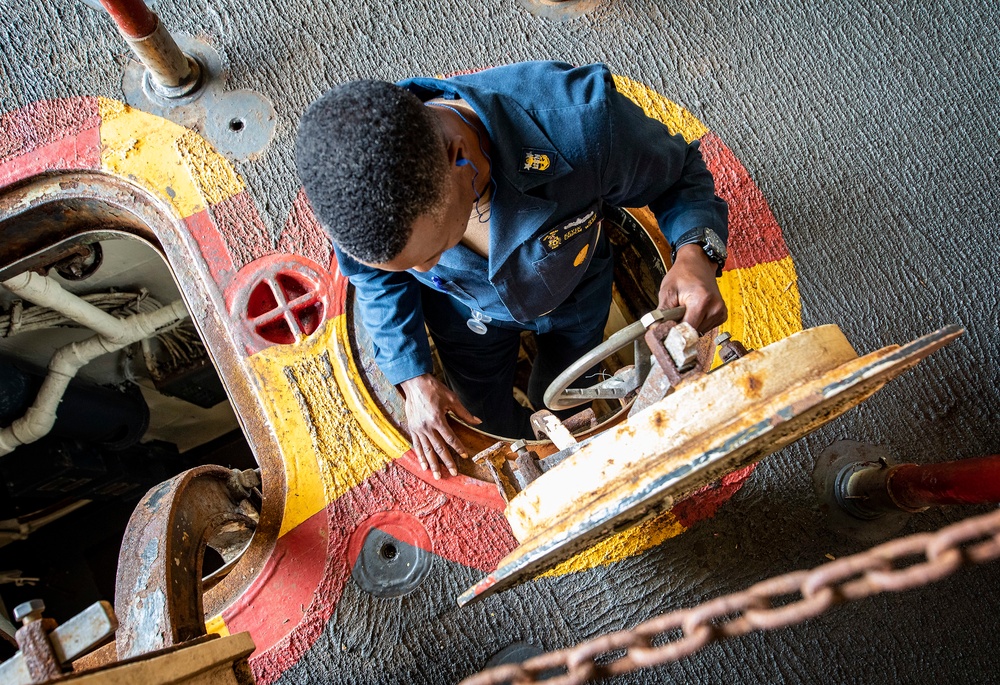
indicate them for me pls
(455, 150)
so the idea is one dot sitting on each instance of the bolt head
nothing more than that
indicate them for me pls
(722, 338)
(29, 611)
(518, 446)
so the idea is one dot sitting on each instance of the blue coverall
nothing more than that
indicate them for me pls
(564, 143)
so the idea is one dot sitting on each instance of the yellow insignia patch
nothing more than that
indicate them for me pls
(581, 256)
(536, 162)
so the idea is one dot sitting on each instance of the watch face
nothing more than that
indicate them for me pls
(714, 244)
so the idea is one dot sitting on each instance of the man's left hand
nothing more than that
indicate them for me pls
(691, 283)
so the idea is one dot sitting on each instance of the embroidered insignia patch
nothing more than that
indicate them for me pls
(581, 255)
(537, 161)
(565, 231)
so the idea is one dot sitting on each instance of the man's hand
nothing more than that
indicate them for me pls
(691, 283)
(428, 402)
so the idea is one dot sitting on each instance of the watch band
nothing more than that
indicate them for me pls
(709, 241)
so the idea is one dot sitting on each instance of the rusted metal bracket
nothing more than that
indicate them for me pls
(46, 650)
(494, 459)
(526, 468)
(729, 349)
(679, 354)
(158, 596)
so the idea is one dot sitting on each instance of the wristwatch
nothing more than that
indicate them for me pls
(709, 241)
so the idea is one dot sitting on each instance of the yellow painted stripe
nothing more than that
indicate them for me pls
(628, 543)
(368, 413)
(676, 118)
(213, 174)
(167, 159)
(321, 422)
(763, 302)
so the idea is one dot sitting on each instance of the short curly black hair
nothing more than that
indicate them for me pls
(371, 158)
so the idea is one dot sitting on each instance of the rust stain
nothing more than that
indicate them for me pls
(752, 385)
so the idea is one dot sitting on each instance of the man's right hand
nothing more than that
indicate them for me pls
(428, 402)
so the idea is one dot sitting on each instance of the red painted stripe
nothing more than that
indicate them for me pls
(303, 234)
(42, 123)
(706, 501)
(82, 151)
(245, 234)
(471, 489)
(213, 248)
(754, 234)
(298, 573)
(133, 17)
(289, 604)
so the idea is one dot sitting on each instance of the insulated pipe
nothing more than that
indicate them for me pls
(38, 420)
(47, 292)
(868, 490)
(112, 419)
(173, 73)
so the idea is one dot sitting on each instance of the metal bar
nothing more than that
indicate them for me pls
(967, 481)
(173, 74)
(133, 18)
(74, 638)
(868, 490)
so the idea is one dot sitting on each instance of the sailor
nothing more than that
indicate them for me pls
(473, 205)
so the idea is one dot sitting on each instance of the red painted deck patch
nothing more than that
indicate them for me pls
(42, 123)
(290, 603)
(303, 234)
(754, 234)
(705, 502)
(242, 228)
(281, 595)
(213, 248)
(476, 491)
(82, 151)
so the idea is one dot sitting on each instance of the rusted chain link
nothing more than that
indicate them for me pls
(781, 601)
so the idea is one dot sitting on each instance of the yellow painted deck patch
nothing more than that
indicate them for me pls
(763, 302)
(217, 625)
(369, 415)
(325, 448)
(213, 174)
(676, 118)
(628, 543)
(164, 157)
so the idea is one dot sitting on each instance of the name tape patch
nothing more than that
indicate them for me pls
(568, 230)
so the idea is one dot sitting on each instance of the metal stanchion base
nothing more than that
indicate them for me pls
(238, 123)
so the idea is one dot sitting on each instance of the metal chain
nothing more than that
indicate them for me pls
(900, 564)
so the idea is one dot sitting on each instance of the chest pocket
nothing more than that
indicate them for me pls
(571, 248)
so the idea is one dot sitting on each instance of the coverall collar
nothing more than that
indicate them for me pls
(514, 136)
